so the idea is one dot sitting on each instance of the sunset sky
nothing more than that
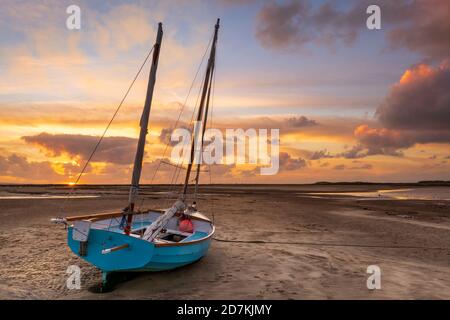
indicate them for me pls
(351, 104)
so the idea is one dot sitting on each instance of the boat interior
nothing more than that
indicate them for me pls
(203, 226)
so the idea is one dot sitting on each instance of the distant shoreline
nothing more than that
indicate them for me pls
(419, 183)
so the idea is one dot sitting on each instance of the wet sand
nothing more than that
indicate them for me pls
(317, 247)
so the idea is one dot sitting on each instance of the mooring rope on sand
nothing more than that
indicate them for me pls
(327, 244)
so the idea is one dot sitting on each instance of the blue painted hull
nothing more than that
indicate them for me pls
(140, 255)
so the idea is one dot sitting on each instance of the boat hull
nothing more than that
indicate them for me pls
(139, 255)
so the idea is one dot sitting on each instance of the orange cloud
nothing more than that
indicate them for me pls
(118, 150)
(419, 72)
(416, 110)
(365, 132)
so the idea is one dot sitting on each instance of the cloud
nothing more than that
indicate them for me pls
(288, 163)
(421, 26)
(236, 172)
(17, 166)
(381, 141)
(277, 26)
(42, 60)
(119, 150)
(166, 134)
(316, 155)
(373, 144)
(301, 121)
(284, 123)
(416, 110)
(420, 101)
(295, 24)
(426, 29)
(357, 151)
(119, 28)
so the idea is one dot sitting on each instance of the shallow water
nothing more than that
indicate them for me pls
(42, 196)
(424, 193)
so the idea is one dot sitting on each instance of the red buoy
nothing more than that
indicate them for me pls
(186, 225)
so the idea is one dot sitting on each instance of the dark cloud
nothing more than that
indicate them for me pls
(291, 123)
(118, 150)
(425, 28)
(18, 166)
(277, 25)
(301, 121)
(421, 101)
(316, 155)
(357, 151)
(166, 133)
(295, 24)
(416, 110)
(373, 144)
(288, 163)
(381, 141)
(422, 26)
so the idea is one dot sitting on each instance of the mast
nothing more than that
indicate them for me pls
(206, 84)
(134, 189)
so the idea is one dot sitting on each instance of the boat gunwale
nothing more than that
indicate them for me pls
(176, 244)
(100, 216)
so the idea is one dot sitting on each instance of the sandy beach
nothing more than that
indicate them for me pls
(271, 242)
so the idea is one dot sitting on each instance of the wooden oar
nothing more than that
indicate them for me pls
(123, 246)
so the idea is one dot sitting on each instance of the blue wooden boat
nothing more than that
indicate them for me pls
(148, 240)
(100, 240)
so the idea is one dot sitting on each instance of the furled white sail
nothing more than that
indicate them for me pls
(155, 228)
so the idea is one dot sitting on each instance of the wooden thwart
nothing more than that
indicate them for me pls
(94, 215)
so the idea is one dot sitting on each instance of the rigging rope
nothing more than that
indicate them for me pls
(191, 124)
(177, 168)
(106, 129)
(182, 108)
